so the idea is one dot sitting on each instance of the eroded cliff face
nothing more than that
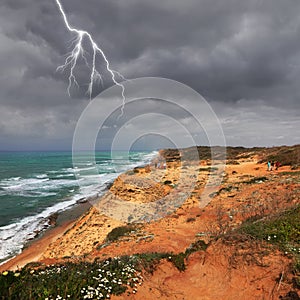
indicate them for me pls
(139, 188)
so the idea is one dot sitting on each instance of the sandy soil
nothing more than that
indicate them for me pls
(209, 276)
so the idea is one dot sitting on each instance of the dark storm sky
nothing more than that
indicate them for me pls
(243, 57)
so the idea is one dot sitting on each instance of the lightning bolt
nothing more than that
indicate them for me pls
(78, 51)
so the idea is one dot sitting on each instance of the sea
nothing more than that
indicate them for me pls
(36, 185)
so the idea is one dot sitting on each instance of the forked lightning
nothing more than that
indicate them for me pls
(78, 51)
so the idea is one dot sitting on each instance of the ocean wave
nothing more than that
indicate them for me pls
(14, 236)
(41, 176)
(84, 169)
(62, 171)
(21, 183)
(64, 175)
(33, 194)
(34, 185)
(14, 179)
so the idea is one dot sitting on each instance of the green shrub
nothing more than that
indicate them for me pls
(282, 229)
(194, 247)
(118, 232)
(167, 182)
(189, 220)
(178, 261)
(256, 180)
(149, 261)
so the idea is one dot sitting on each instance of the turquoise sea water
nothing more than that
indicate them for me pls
(34, 185)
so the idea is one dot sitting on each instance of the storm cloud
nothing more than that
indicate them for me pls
(243, 57)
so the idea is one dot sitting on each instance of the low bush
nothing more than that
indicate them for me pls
(118, 232)
(282, 229)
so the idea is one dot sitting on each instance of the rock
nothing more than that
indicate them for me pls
(52, 219)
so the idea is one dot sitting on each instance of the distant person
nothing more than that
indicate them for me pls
(277, 165)
(269, 166)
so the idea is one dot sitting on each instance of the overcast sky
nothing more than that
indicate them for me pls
(243, 57)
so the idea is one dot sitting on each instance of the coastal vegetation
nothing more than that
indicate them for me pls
(85, 280)
(81, 280)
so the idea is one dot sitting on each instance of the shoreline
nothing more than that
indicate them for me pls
(62, 221)
(35, 248)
